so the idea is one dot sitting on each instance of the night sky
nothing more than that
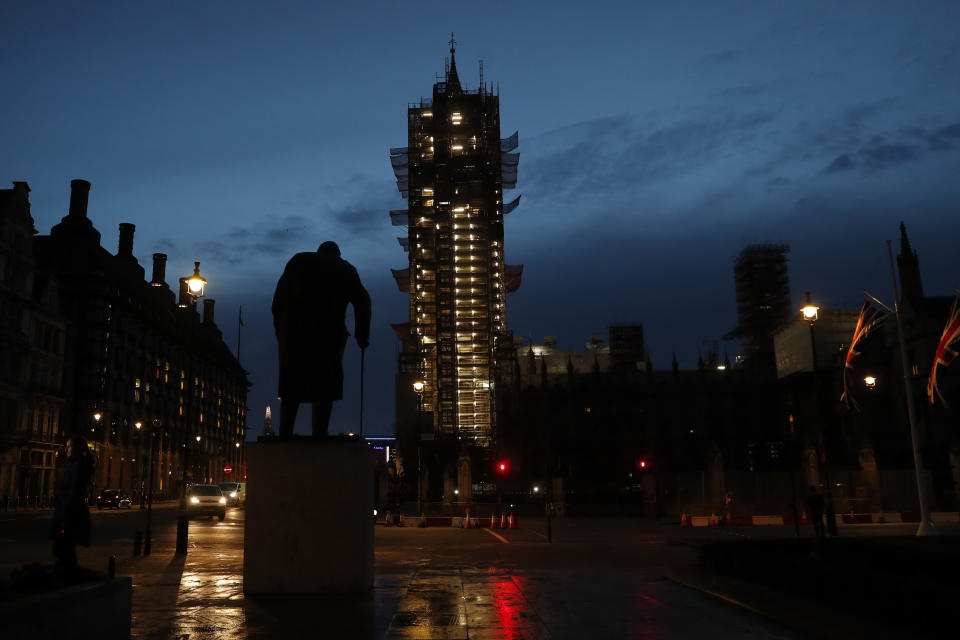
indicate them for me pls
(655, 143)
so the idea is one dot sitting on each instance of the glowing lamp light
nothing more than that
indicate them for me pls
(418, 386)
(196, 283)
(809, 311)
(870, 381)
(138, 425)
(198, 438)
(97, 416)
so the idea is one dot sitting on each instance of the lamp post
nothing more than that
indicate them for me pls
(146, 540)
(811, 314)
(418, 388)
(141, 468)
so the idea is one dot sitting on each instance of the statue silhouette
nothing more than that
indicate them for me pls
(309, 306)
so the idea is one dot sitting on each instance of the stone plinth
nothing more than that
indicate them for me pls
(309, 520)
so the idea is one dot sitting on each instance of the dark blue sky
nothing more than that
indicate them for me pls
(656, 142)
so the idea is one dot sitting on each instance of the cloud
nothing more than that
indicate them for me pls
(840, 163)
(710, 62)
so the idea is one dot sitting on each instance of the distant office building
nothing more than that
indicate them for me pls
(453, 172)
(763, 303)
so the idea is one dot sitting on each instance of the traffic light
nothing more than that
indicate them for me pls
(642, 464)
(502, 467)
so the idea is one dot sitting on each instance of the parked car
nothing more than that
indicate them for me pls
(109, 498)
(126, 502)
(235, 492)
(206, 499)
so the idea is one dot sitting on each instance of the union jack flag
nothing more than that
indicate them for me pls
(868, 318)
(944, 354)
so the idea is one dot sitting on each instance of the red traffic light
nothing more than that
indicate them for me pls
(502, 467)
(642, 464)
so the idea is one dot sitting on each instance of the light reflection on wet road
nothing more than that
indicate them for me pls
(443, 583)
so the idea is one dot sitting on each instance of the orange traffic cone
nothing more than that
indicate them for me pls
(511, 521)
(503, 520)
(387, 518)
(685, 520)
(493, 521)
(803, 517)
(713, 519)
(400, 522)
(423, 519)
(466, 520)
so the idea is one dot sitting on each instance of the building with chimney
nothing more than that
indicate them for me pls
(453, 172)
(32, 333)
(142, 373)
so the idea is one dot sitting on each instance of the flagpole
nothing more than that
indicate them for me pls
(926, 528)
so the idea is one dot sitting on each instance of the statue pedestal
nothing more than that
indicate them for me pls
(309, 516)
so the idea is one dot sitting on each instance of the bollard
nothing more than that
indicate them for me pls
(183, 530)
(137, 542)
(112, 567)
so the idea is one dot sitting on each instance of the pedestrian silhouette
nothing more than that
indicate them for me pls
(71, 515)
(309, 308)
(815, 506)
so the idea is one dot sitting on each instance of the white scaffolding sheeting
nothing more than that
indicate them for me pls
(509, 159)
(398, 161)
(403, 186)
(398, 217)
(508, 177)
(404, 242)
(511, 143)
(401, 172)
(510, 206)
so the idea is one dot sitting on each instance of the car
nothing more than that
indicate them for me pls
(109, 498)
(235, 492)
(206, 499)
(125, 501)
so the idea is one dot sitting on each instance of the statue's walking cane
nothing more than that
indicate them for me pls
(363, 352)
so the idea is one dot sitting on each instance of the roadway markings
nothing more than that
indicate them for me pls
(497, 536)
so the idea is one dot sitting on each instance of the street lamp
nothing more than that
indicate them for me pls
(196, 283)
(418, 388)
(870, 382)
(811, 313)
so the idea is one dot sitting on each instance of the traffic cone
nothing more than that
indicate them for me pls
(466, 520)
(503, 520)
(493, 521)
(423, 519)
(804, 519)
(685, 520)
(511, 521)
(713, 519)
(400, 521)
(387, 518)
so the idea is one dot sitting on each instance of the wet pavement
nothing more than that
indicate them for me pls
(600, 582)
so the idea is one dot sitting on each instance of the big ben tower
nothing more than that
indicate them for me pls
(453, 173)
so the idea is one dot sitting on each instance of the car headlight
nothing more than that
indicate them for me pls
(233, 494)
(223, 501)
(195, 500)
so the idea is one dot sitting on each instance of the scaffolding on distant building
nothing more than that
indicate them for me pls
(453, 172)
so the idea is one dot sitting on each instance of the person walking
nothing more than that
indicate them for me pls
(309, 309)
(71, 515)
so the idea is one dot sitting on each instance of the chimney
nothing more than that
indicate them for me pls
(79, 191)
(159, 269)
(125, 250)
(186, 299)
(208, 311)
